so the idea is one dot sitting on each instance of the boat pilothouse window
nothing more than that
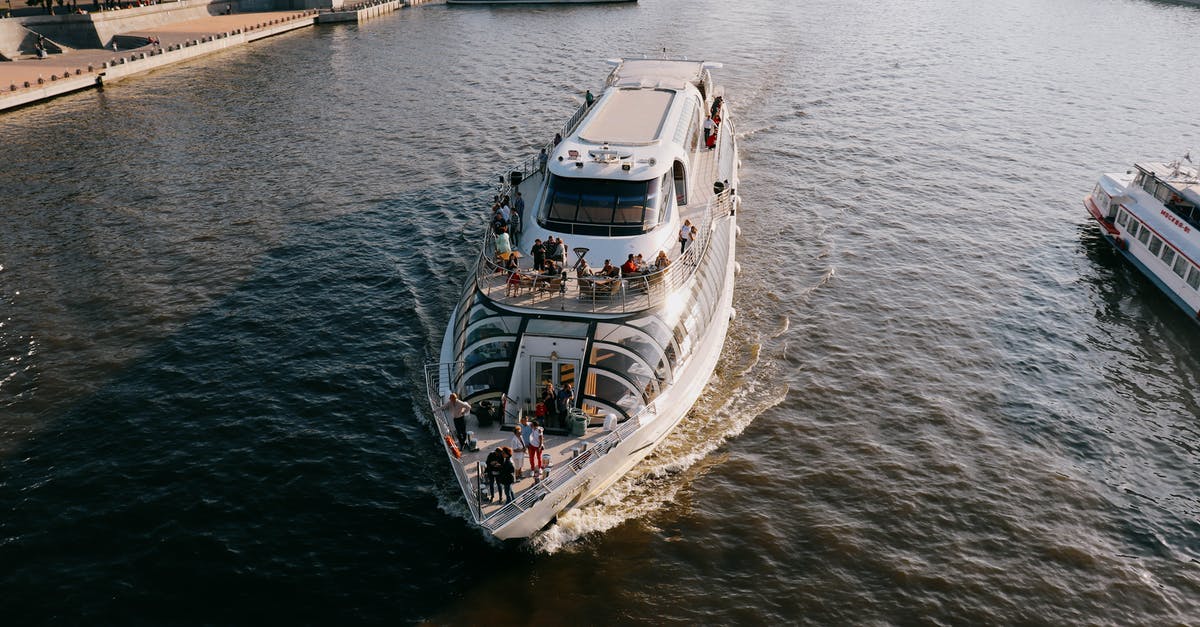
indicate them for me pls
(1155, 245)
(602, 206)
(1122, 217)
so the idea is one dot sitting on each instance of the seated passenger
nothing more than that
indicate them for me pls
(630, 266)
(583, 269)
(661, 261)
(609, 270)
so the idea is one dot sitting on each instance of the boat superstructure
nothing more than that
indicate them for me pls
(1151, 214)
(630, 170)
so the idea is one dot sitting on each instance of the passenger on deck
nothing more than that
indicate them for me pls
(542, 158)
(505, 210)
(503, 245)
(559, 252)
(661, 262)
(609, 270)
(538, 250)
(513, 284)
(458, 410)
(495, 461)
(514, 228)
(537, 443)
(708, 128)
(565, 398)
(505, 476)
(517, 443)
(527, 438)
(683, 235)
(630, 266)
(583, 269)
(519, 205)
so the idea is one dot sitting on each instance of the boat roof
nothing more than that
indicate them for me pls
(629, 117)
(1184, 179)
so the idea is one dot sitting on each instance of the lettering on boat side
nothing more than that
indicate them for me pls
(1179, 223)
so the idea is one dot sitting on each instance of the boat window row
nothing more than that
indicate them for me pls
(1172, 258)
(1169, 197)
(602, 206)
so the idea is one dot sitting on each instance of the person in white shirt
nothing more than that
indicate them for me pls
(537, 442)
(684, 235)
(518, 446)
(458, 410)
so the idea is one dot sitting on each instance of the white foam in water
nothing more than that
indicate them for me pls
(656, 481)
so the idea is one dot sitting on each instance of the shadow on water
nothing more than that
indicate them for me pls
(269, 461)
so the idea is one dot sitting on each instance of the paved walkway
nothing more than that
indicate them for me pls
(17, 72)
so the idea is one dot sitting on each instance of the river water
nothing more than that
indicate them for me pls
(944, 399)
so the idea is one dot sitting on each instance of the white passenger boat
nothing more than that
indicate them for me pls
(638, 349)
(1152, 216)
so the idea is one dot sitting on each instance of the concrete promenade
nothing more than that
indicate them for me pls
(28, 80)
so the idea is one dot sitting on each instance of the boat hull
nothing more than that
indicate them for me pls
(1118, 241)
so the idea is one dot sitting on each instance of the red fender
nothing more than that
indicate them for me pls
(453, 447)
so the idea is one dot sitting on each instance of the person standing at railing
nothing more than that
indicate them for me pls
(519, 205)
(514, 227)
(542, 159)
(503, 244)
(458, 410)
(684, 233)
(589, 98)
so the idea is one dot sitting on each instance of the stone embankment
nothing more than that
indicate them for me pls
(141, 39)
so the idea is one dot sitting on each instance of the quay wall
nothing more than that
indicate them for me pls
(128, 64)
(96, 30)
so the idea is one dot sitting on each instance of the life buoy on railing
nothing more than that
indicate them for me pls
(453, 447)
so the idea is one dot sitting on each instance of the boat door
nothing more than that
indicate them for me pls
(551, 370)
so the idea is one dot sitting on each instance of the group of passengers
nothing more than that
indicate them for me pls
(507, 219)
(712, 124)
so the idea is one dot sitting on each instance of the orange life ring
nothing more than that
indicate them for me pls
(453, 447)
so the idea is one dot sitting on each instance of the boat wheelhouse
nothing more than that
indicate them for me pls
(631, 170)
(1152, 216)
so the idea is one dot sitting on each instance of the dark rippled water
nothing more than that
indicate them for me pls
(944, 399)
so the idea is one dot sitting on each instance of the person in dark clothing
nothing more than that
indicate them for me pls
(495, 460)
(539, 254)
(566, 398)
(505, 476)
(548, 400)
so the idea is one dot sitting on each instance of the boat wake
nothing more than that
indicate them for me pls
(738, 393)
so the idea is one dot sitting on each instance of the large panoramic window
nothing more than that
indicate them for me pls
(602, 206)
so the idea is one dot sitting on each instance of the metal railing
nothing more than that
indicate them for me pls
(558, 478)
(436, 375)
(621, 294)
(533, 164)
